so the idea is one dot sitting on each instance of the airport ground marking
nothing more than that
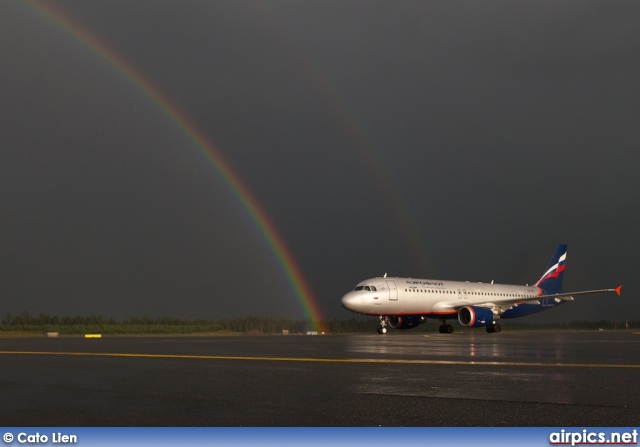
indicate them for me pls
(323, 360)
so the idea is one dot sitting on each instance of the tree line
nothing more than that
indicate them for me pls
(252, 324)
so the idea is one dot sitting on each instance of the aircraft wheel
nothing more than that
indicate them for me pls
(491, 329)
(382, 330)
(497, 327)
(449, 329)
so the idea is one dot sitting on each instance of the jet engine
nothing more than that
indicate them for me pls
(404, 322)
(472, 316)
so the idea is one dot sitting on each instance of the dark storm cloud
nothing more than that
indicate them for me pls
(500, 129)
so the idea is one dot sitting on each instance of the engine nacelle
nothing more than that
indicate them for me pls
(404, 322)
(472, 316)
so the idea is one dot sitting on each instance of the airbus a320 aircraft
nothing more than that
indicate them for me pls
(403, 303)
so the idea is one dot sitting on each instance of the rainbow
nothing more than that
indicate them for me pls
(214, 156)
(368, 151)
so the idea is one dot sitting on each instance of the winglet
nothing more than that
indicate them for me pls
(618, 290)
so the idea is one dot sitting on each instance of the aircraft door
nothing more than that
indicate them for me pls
(393, 291)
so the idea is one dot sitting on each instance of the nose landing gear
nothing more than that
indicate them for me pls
(383, 326)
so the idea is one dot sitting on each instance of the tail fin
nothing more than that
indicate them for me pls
(551, 281)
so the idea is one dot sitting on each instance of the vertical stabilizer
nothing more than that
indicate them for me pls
(551, 281)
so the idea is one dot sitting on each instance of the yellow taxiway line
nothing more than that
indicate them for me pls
(323, 360)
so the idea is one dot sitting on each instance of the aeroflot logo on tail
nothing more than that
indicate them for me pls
(426, 283)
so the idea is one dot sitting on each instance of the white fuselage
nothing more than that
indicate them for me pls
(409, 296)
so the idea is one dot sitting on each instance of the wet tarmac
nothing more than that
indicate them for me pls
(401, 379)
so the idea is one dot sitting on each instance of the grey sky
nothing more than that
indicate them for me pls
(455, 140)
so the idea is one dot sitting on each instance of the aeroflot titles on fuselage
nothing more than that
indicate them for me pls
(426, 283)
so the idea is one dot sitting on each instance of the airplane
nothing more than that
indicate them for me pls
(404, 303)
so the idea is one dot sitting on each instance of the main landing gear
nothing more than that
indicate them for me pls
(444, 327)
(494, 328)
(383, 325)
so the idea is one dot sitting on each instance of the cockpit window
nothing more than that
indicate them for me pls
(369, 288)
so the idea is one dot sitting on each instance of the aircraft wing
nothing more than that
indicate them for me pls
(499, 305)
(568, 296)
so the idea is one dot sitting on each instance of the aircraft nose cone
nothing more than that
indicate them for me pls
(350, 302)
